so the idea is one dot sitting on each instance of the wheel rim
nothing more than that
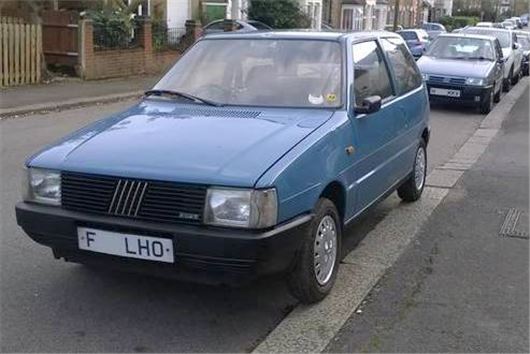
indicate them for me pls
(325, 249)
(419, 169)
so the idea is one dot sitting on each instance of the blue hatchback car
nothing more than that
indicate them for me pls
(248, 158)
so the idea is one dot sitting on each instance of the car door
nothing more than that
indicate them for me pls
(408, 109)
(375, 133)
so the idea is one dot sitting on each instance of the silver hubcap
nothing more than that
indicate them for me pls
(419, 170)
(325, 248)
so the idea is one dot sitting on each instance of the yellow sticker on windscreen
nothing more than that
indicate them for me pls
(331, 97)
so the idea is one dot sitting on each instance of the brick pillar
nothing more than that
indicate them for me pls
(193, 30)
(145, 39)
(86, 49)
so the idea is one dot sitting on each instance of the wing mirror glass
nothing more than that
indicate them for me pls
(370, 104)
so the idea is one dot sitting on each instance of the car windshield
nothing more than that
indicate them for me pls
(524, 41)
(461, 48)
(503, 36)
(261, 72)
(409, 35)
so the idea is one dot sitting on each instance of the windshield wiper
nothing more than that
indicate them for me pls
(184, 95)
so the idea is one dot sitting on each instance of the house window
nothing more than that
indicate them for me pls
(315, 13)
(352, 18)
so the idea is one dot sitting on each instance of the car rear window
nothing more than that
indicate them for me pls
(409, 35)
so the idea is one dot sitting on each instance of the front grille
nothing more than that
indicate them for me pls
(133, 198)
(447, 80)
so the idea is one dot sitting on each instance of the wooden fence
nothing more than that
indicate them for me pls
(20, 52)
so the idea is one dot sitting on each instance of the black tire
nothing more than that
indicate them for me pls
(497, 97)
(515, 78)
(302, 279)
(409, 191)
(487, 104)
(507, 83)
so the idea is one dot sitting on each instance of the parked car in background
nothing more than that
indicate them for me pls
(523, 38)
(517, 21)
(511, 51)
(391, 28)
(508, 24)
(249, 157)
(484, 24)
(327, 27)
(459, 30)
(464, 68)
(236, 26)
(433, 29)
(524, 20)
(417, 40)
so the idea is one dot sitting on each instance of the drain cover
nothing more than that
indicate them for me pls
(511, 228)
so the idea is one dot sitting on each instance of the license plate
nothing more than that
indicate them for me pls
(125, 245)
(444, 92)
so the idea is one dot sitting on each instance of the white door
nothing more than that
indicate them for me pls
(177, 13)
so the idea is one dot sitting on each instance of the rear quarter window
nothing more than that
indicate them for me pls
(406, 72)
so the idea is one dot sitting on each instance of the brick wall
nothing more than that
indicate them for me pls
(133, 61)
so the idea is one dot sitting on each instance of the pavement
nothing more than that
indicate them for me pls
(69, 93)
(52, 306)
(463, 285)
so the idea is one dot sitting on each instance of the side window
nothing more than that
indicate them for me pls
(498, 49)
(371, 76)
(408, 76)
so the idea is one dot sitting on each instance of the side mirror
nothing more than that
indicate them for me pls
(370, 104)
(516, 46)
(501, 60)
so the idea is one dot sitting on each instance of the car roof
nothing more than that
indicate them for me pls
(303, 34)
(492, 29)
(467, 35)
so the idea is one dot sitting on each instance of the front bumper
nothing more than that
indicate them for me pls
(203, 254)
(469, 95)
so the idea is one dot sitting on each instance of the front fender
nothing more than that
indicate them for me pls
(302, 174)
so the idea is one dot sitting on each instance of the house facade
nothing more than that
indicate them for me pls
(357, 15)
(442, 8)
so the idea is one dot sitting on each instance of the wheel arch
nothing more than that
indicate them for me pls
(336, 192)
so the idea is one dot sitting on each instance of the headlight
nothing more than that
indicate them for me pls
(42, 186)
(472, 81)
(241, 207)
(425, 77)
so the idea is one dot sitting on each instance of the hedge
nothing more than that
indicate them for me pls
(452, 23)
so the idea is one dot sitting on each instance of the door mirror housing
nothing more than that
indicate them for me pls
(516, 46)
(370, 104)
(501, 60)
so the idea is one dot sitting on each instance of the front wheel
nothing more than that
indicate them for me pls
(516, 77)
(317, 263)
(497, 97)
(487, 105)
(412, 188)
(507, 83)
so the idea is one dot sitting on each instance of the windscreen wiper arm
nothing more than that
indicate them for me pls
(182, 95)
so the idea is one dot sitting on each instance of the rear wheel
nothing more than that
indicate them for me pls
(412, 188)
(317, 263)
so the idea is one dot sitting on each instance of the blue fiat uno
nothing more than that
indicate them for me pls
(247, 158)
